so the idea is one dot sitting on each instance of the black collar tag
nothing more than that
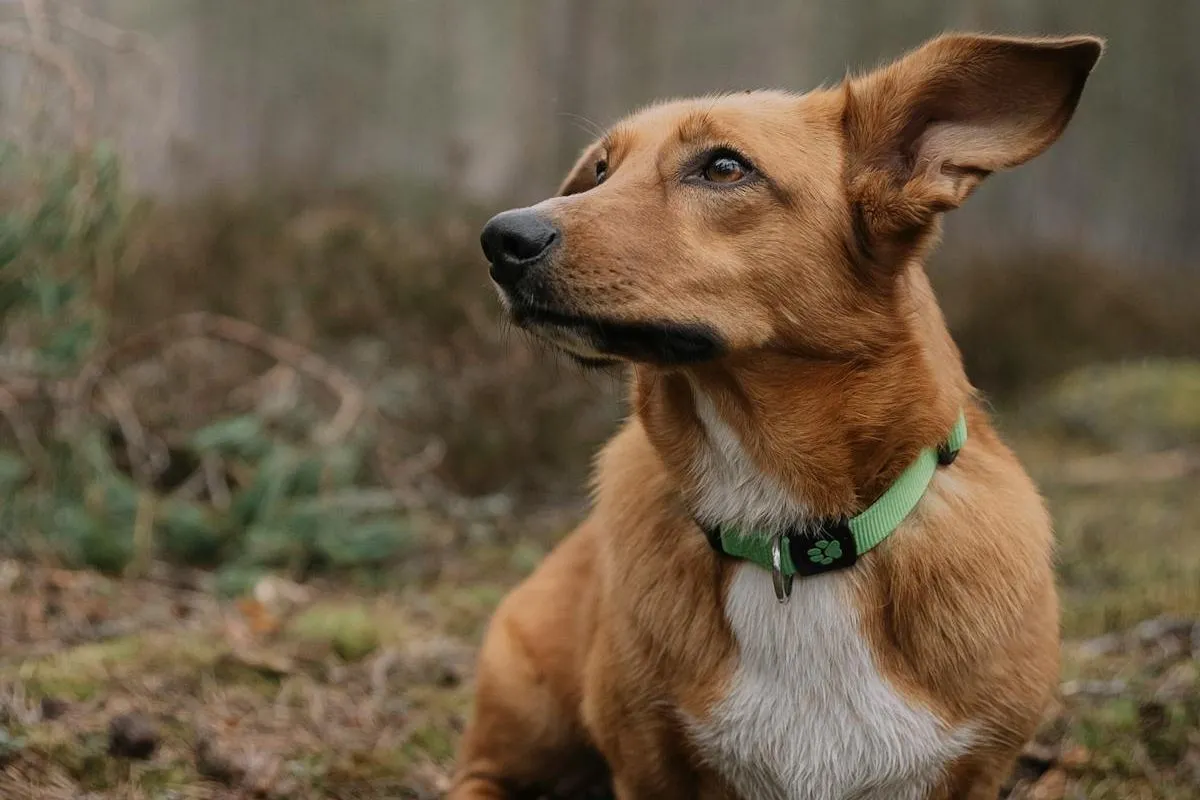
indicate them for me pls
(830, 549)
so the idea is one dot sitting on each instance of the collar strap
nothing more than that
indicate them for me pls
(837, 544)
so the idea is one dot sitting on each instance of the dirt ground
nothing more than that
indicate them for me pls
(155, 688)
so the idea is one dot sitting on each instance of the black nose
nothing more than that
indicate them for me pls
(514, 241)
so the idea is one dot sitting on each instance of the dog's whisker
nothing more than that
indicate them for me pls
(588, 126)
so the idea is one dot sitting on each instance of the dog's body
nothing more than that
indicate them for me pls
(758, 258)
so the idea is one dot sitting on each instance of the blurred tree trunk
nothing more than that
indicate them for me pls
(574, 65)
(639, 32)
(1187, 101)
(448, 78)
(534, 86)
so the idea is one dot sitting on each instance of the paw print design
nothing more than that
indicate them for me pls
(825, 552)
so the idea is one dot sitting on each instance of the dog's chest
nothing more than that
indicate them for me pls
(808, 714)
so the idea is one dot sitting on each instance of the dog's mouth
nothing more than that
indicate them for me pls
(594, 341)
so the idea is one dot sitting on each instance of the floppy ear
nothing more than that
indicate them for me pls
(583, 175)
(923, 132)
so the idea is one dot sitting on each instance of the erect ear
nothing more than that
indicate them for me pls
(923, 132)
(583, 175)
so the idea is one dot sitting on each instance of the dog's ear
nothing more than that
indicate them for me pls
(922, 132)
(583, 175)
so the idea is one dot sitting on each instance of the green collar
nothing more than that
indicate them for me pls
(837, 544)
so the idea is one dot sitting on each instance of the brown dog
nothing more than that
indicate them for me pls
(757, 258)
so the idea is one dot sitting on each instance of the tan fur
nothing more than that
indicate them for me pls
(838, 370)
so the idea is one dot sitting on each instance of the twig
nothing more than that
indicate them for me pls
(143, 534)
(214, 480)
(402, 474)
(429, 459)
(20, 387)
(352, 400)
(191, 488)
(25, 435)
(136, 444)
(36, 43)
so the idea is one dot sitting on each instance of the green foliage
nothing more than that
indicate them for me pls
(66, 220)
(67, 225)
(189, 533)
(238, 579)
(13, 473)
(1128, 406)
(238, 436)
(349, 630)
(293, 505)
(10, 746)
(302, 511)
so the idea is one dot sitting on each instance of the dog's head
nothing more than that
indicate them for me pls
(703, 227)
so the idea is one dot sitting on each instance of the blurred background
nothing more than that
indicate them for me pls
(268, 458)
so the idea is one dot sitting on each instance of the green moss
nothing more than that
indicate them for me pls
(348, 629)
(179, 652)
(1142, 405)
(431, 741)
(1126, 551)
(79, 673)
(159, 779)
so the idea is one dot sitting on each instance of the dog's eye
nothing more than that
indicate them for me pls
(601, 171)
(725, 168)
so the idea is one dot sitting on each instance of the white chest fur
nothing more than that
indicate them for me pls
(729, 486)
(808, 714)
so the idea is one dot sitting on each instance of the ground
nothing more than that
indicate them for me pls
(155, 688)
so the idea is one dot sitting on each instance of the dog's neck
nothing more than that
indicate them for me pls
(770, 440)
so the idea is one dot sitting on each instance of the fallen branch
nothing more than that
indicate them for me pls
(352, 400)
(137, 446)
(24, 433)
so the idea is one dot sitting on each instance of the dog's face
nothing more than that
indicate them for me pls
(692, 229)
(699, 228)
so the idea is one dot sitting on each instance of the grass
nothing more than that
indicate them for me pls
(1113, 450)
(328, 691)
(246, 697)
(340, 690)
(1129, 723)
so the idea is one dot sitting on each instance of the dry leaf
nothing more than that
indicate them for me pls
(258, 617)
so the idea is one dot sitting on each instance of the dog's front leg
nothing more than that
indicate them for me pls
(525, 737)
(638, 732)
(644, 767)
(520, 742)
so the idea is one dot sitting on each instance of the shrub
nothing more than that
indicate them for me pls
(1025, 319)
(249, 490)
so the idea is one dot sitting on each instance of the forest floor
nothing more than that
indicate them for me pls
(155, 688)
